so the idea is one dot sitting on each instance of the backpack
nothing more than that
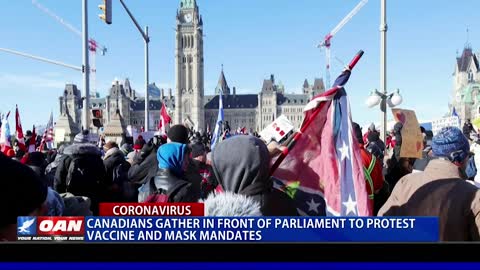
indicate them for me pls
(84, 175)
(120, 179)
(164, 196)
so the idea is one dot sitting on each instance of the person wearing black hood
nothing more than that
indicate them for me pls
(145, 163)
(241, 166)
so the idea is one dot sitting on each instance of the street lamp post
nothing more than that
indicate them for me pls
(85, 68)
(146, 39)
(383, 99)
(383, 64)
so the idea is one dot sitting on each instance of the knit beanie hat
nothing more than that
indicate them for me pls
(178, 133)
(139, 144)
(171, 156)
(198, 149)
(451, 143)
(82, 137)
(22, 192)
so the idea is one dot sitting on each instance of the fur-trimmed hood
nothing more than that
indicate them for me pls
(228, 204)
(82, 149)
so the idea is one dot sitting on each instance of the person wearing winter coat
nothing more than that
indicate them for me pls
(199, 162)
(372, 168)
(81, 170)
(468, 129)
(51, 169)
(241, 165)
(441, 190)
(170, 177)
(114, 157)
(144, 164)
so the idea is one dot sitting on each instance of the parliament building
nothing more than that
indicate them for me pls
(187, 103)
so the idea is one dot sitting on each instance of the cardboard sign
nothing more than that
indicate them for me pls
(278, 130)
(412, 139)
(438, 124)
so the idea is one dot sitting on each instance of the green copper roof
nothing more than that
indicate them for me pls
(184, 4)
(467, 93)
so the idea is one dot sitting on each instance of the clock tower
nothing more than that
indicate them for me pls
(189, 107)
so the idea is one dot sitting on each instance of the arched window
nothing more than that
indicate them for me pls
(187, 106)
(470, 76)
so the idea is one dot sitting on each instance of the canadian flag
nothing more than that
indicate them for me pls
(164, 119)
(20, 137)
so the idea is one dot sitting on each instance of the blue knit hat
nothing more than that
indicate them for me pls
(451, 143)
(171, 156)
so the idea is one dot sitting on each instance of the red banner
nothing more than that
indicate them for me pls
(152, 209)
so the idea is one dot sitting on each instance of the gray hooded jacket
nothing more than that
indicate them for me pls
(241, 165)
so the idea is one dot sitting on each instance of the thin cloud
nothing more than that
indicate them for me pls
(33, 82)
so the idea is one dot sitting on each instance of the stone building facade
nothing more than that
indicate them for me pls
(466, 85)
(189, 105)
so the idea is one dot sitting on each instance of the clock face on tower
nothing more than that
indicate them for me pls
(188, 17)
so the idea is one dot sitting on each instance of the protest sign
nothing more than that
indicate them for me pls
(438, 124)
(412, 139)
(277, 130)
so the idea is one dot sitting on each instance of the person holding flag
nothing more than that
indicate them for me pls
(217, 133)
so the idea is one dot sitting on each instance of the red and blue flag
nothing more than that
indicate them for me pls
(323, 173)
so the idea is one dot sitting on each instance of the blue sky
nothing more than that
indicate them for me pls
(251, 38)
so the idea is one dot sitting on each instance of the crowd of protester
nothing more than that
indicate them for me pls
(234, 179)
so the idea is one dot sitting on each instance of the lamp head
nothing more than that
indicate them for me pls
(395, 100)
(373, 100)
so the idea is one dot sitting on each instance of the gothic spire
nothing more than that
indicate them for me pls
(222, 84)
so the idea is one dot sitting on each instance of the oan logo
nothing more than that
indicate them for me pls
(26, 226)
(65, 226)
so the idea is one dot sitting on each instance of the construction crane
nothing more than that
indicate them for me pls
(327, 44)
(94, 46)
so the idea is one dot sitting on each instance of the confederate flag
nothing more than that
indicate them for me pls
(323, 173)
